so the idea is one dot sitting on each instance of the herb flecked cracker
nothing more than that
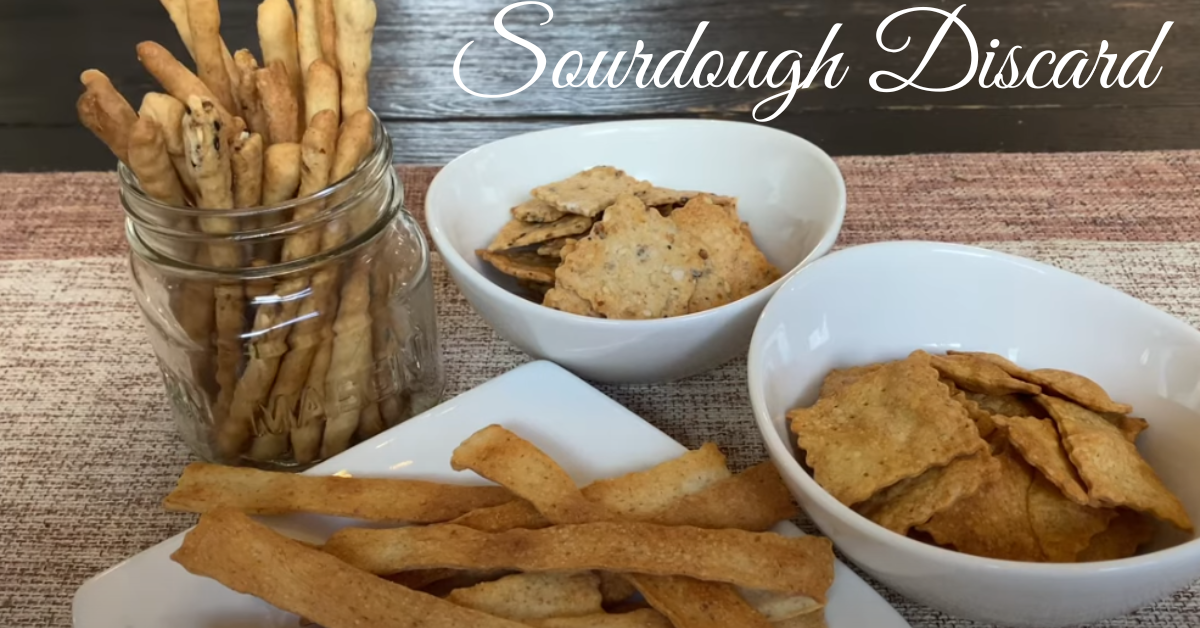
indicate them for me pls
(566, 301)
(535, 210)
(635, 264)
(589, 192)
(891, 424)
(516, 233)
(729, 245)
(522, 265)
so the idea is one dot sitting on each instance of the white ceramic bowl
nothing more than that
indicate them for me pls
(882, 301)
(789, 191)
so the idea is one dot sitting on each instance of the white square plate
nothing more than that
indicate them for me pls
(592, 436)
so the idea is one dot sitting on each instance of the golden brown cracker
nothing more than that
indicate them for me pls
(1077, 388)
(516, 234)
(526, 596)
(981, 376)
(1008, 405)
(984, 421)
(554, 248)
(634, 265)
(914, 501)
(994, 521)
(838, 379)
(899, 420)
(589, 192)
(1124, 535)
(1130, 426)
(567, 301)
(535, 210)
(1010, 367)
(1039, 444)
(525, 265)
(1112, 468)
(728, 244)
(1063, 527)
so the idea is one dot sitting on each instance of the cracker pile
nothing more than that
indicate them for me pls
(604, 244)
(974, 453)
(683, 544)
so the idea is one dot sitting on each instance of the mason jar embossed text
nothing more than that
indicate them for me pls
(289, 332)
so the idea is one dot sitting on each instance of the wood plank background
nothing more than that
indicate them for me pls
(44, 44)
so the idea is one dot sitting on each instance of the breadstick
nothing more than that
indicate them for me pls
(354, 143)
(279, 103)
(105, 112)
(327, 31)
(321, 89)
(281, 173)
(247, 95)
(206, 141)
(178, 11)
(149, 160)
(349, 387)
(310, 423)
(355, 26)
(167, 111)
(316, 155)
(308, 38)
(179, 81)
(248, 170)
(277, 37)
(204, 21)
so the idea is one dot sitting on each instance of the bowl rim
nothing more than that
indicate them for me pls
(788, 465)
(463, 268)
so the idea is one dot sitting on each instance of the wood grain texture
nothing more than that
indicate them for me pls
(417, 40)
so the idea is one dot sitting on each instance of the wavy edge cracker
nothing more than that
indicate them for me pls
(537, 210)
(732, 252)
(864, 417)
(1063, 527)
(916, 500)
(1039, 444)
(635, 264)
(981, 376)
(1112, 468)
(589, 192)
(516, 234)
(526, 265)
(1127, 532)
(994, 521)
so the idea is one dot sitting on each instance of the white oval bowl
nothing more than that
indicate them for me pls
(882, 301)
(789, 191)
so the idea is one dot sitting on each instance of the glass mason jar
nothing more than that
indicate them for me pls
(279, 352)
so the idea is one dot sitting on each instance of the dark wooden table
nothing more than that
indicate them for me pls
(44, 44)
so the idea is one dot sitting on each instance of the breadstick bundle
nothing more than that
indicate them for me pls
(289, 354)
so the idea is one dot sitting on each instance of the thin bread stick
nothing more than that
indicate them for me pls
(277, 38)
(355, 142)
(149, 160)
(310, 421)
(281, 172)
(106, 113)
(327, 31)
(248, 97)
(349, 386)
(204, 20)
(206, 142)
(167, 111)
(355, 21)
(321, 90)
(178, 12)
(279, 103)
(246, 556)
(248, 170)
(176, 79)
(308, 37)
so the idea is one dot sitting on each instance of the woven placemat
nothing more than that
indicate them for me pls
(88, 449)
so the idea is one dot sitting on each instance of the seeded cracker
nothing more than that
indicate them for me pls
(981, 376)
(1077, 388)
(589, 192)
(731, 249)
(1110, 465)
(554, 248)
(1128, 531)
(1063, 528)
(534, 210)
(517, 234)
(890, 425)
(634, 265)
(1038, 442)
(993, 522)
(522, 265)
(567, 301)
(913, 501)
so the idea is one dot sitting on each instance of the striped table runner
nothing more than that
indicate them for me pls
(88, 450)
